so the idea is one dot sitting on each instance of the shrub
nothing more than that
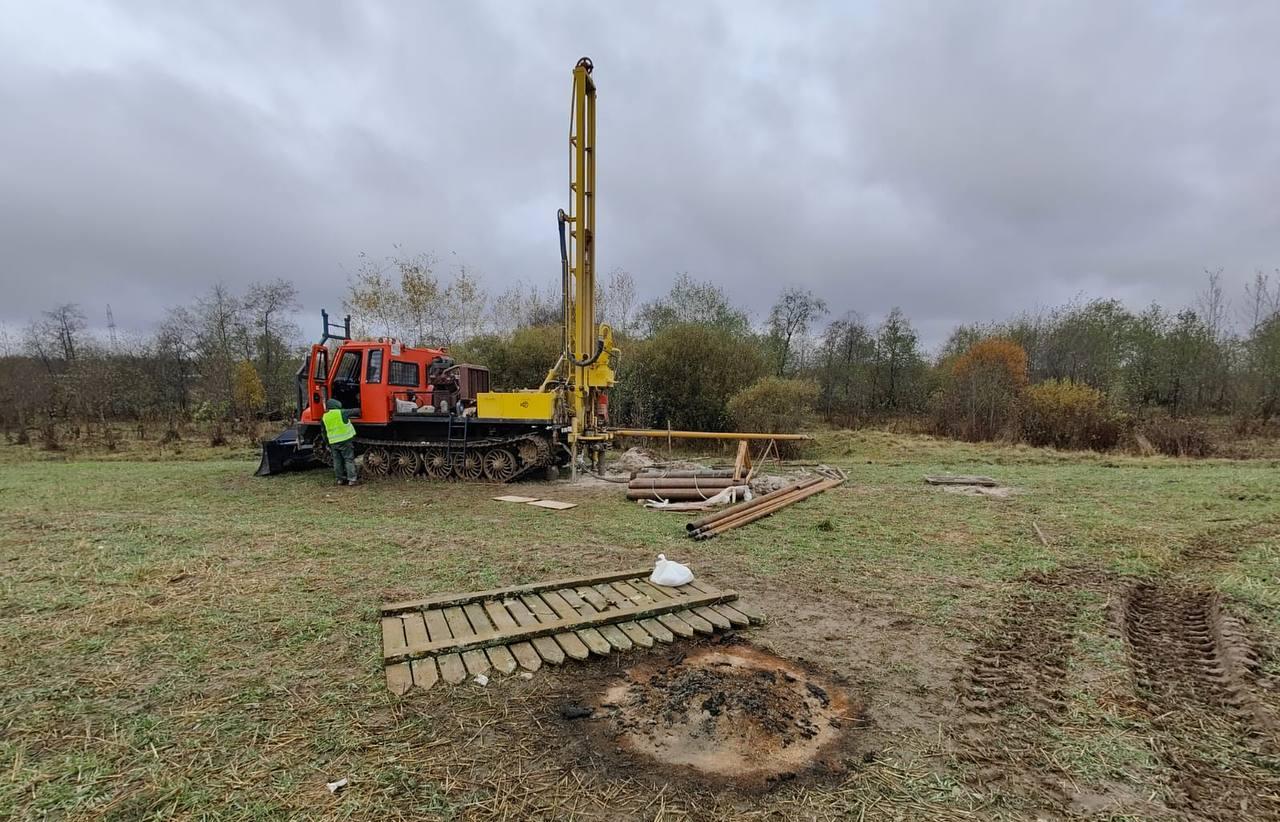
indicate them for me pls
(1066, 414)
(517, 361)
(979, 397)
(247, 392)
(49, 434)
(684, 375)
(773, 405)
(1178, 437)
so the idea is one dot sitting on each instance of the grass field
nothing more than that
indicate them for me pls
(182, 640)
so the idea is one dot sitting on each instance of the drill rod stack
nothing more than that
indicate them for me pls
(679, 486)
(762, 506)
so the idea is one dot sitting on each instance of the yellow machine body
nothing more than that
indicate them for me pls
(515, 405)
(585, 371)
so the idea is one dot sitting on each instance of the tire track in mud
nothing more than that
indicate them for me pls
(1011, 689)
(1199, 675)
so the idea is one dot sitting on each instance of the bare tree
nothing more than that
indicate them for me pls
(618, 300)
(1213, 304)
(60, 330)
(268, 304)
(524, 305)
(1262, 301)
(789, 322)
(460, 308)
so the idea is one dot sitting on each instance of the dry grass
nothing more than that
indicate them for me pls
(180, 640)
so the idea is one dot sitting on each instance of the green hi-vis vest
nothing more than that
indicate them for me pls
(336, 429)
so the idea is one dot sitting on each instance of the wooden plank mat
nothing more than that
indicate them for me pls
(554, 505)
(455, 637)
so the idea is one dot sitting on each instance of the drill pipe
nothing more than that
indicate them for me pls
(673, 494)
(744, 506)
(762, 511)
(708, 473)
(703, 482)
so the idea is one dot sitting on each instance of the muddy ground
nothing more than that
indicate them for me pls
(1100, 646)
(774, 722)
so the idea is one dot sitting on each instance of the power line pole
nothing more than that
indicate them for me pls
(111, 326)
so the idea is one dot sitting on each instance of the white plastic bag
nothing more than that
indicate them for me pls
(669, 573)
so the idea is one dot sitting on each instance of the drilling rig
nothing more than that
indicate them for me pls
(420, 413)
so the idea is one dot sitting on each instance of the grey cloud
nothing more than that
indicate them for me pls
(964, 161)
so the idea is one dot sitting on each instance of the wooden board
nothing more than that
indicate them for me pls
(515, 498)
(570, 643)
(546, 647)
(554, 505)
(613, 635)
(456, 637)
(676, 625)
(951, 479)
(424, 673)
(736, 618)
(524, 652)
(445, 600)
(399, 678)
(637, 634)
(657, 630)
(718, 621)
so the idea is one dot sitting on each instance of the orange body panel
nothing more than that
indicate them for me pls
(370, 375)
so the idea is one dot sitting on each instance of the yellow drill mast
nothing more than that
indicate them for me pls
(587, 348)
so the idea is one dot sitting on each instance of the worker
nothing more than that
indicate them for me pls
(340, 433)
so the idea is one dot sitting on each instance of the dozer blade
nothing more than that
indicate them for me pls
(285, 453)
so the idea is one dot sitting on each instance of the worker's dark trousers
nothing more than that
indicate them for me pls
(344, 461)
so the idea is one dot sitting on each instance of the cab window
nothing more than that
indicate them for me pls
(349, 367)
(403, 373)
(373, 372)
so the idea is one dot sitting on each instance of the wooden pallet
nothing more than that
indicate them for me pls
(456, 636)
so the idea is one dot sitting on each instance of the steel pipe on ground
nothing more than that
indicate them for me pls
(773, 503)
(763, 499)
(762, 511)
(708, 473)
(679, 482)
(673, 494)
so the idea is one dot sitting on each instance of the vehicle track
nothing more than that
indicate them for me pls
(1199, 676)
(1010, 688)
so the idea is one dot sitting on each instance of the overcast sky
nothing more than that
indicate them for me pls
(961, 160)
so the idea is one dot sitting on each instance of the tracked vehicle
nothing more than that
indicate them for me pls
(420, 413)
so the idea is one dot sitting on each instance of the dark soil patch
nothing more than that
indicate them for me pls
(1220, 546)
(723, 714)
(1198, 672)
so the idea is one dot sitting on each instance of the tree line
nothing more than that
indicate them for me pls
(686, 355)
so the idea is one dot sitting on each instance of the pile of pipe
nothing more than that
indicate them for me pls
(762, 506)
(679, 486)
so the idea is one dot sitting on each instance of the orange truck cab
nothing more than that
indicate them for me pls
(417, 411)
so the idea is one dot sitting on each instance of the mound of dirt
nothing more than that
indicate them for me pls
(635, 459)
(730, 713)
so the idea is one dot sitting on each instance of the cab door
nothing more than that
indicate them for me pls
(317, 380)
(344, 385)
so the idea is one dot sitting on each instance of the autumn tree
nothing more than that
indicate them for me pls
(247, 392)
(979, 396)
